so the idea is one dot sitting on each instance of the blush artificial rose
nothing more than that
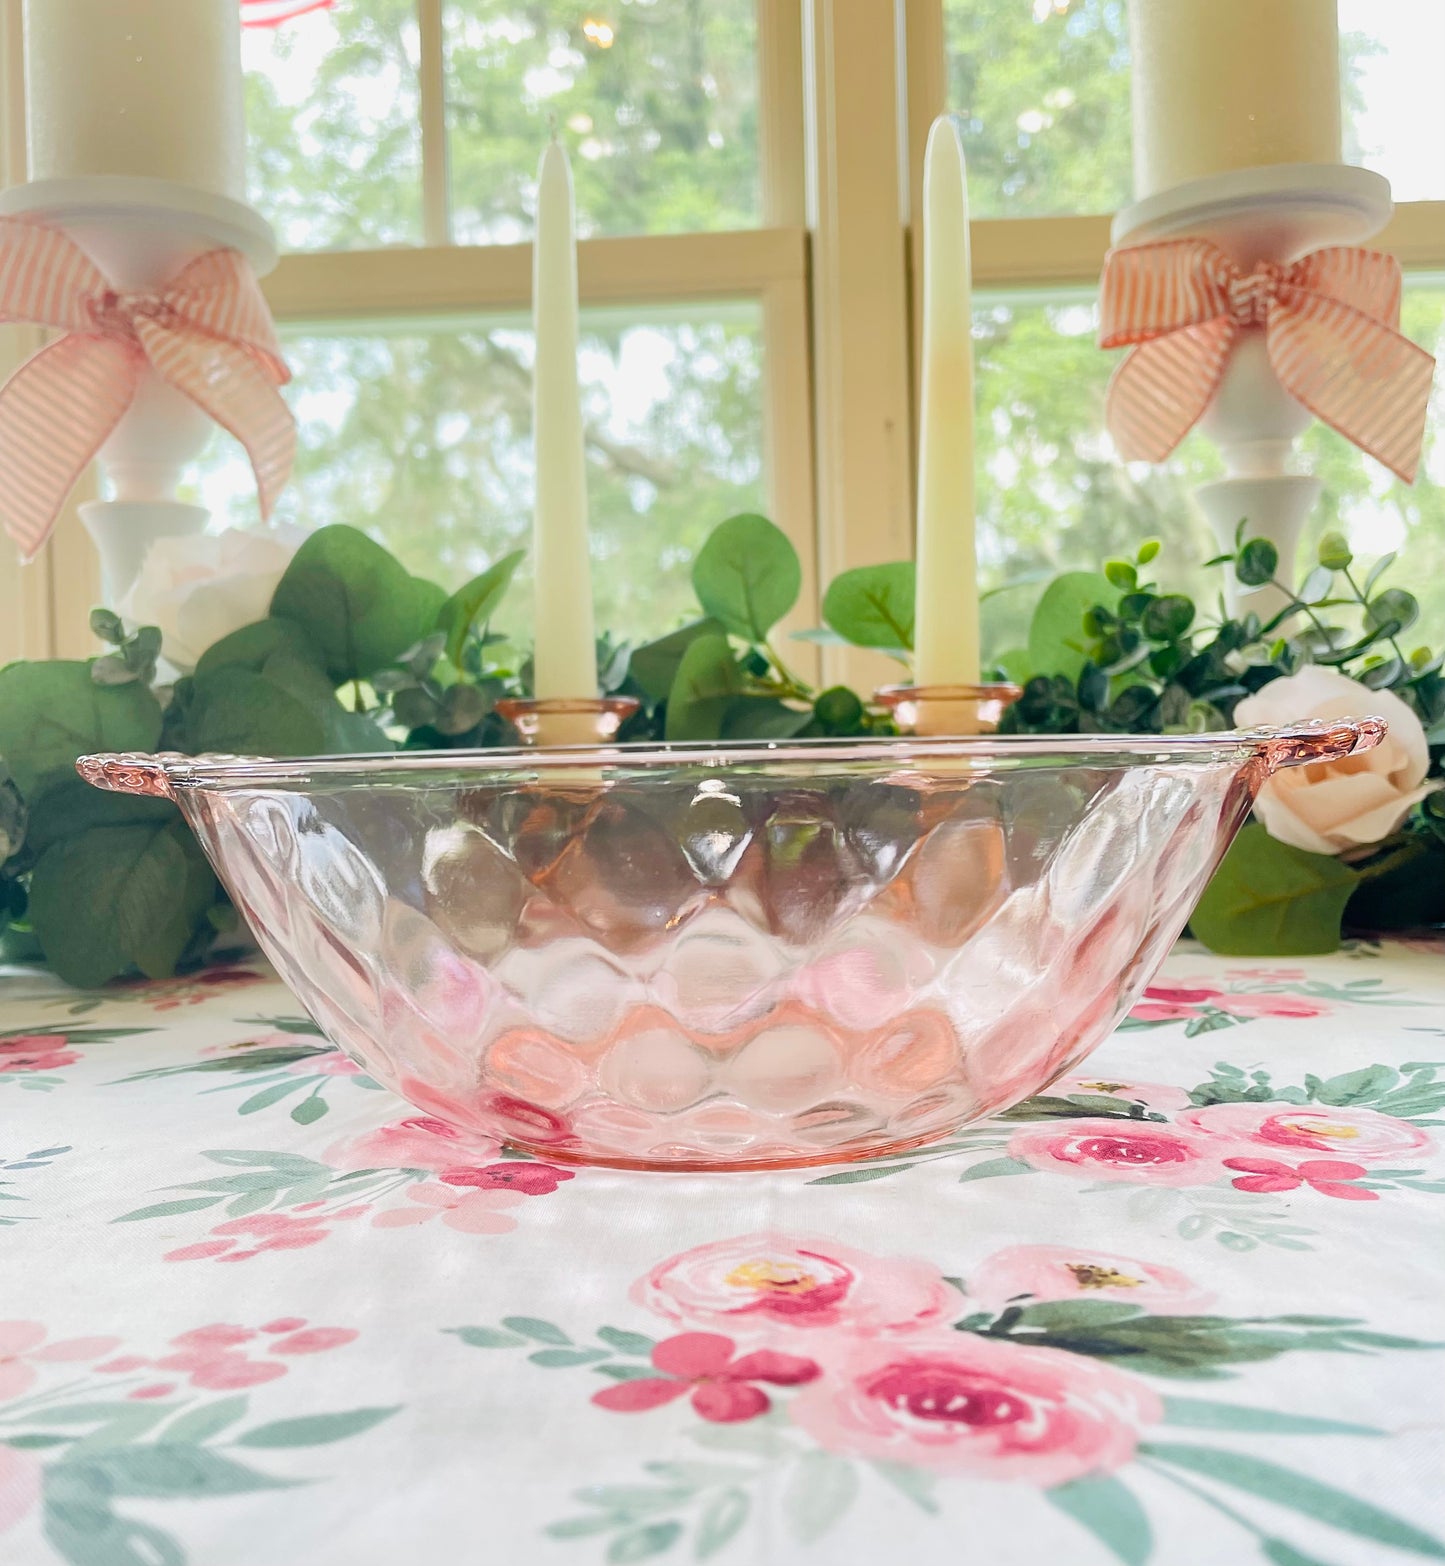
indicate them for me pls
(202, 587)
(964, 1404)
(1327, 807)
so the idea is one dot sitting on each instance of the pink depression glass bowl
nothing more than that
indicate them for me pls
(699, 956)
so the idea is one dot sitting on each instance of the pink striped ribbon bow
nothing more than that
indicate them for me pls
(207, 332)
(1330, 323)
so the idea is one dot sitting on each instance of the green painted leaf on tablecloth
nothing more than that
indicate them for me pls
(173, 1470)
(271, 1095)
(187, 1204)
(1200, 1414)
(580, 1527)
(196, 1425)
(566, 1358)
(626, 1342)
(288, 1163)
(819, 1490)
(315, 1429)
(1279, 1552)
(1283, 1486)
(1110, 1511)
(486, 1337)
(1192, 1347)
(640, 1544)
(993, 1167)
(917, 1484)
(721, 1521)
(534, 1327)
(88, 1533)
(310, 1110)
(861, 1176)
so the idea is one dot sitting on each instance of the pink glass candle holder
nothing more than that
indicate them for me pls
(579, 721)
(725, 956)
(947, 709)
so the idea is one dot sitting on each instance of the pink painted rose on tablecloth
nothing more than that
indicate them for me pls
(241, 1239)
(23, 1346)
(1257, 1003)
(1057, 1272)
(1175, 1000)
(964, 1404)
(1362, 1135)
(723, 1384)
(759, 1282)
(1142, 1152)
(1153, 1095)
(35, 1052)
(473, 1212)
(420, 1142)
(20, 1477)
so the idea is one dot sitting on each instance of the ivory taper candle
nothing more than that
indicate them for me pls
(1220, 85)
(136, 87)
(566, 651)
(946, 646)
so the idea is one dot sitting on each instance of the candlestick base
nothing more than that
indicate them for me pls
(563, 721)
(938, 710)
(123, 532)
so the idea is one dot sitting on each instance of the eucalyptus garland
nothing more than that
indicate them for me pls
(358, 656)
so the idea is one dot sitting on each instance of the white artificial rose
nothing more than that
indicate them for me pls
(1327, 807)
(202, 587)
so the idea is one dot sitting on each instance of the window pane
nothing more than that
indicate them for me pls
(333, 123)
(423, 436)
(1043, 90)
(1053, 496)
(1394, 110)
(656, 100)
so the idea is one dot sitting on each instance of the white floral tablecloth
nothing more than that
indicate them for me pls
(1184, 1309)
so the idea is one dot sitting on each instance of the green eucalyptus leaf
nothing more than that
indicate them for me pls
(69, 806)
(106, 626)
(873, 606)
(654, 666)
(1269, 899)
(255, 645)
(236, 712)
(476, 603)
(51, 713)
(1378, 570)
(1148, 551)
(1334, 552)
(1056, 632)
(362, 608)
(1122, 575)
(114, 896)
(1394, 607)
(748, 576)
(763, 717)
(1167, 618)
(708, 680)
(1256, 562)
(1316, 586)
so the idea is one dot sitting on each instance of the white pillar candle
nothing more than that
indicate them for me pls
(946, 648)
(1220, 85)
(137, 87)
(566, 652)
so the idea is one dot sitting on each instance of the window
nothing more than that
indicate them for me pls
(1043, 90)
(745, 170)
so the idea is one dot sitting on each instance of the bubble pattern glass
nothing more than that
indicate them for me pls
(699, 957)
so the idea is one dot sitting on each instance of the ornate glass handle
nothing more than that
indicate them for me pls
(131, 773)
(1319, 740)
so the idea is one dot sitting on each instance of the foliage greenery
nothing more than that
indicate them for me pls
(357, 655)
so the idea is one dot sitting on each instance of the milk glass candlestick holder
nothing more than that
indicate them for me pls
(141, 232)
(1274, 214)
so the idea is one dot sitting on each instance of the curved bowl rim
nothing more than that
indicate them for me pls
(1316, 739)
